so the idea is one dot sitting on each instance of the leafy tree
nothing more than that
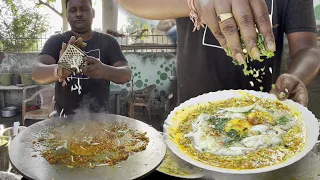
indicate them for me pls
(20, 26)
(135, 24)
(50, 5)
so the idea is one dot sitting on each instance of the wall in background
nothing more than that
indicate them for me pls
(147, 68)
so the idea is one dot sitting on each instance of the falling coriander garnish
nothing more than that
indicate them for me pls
(256, 73)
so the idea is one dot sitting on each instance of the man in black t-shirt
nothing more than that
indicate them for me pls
(202, 62)
(90, 89)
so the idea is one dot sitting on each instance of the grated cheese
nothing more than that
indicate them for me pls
(99, 165)
(270, 69)
(61, 113)
(83, 128)
(74, 65)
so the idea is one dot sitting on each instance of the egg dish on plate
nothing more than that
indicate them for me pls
(246, 132)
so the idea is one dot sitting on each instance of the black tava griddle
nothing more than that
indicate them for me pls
(136, 166)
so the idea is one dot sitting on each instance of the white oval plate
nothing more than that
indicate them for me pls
(309, 119)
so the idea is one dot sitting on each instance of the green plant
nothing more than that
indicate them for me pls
(138, 25)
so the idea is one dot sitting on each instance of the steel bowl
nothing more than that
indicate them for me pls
(9, 112)
(9, 131)
(4, 160)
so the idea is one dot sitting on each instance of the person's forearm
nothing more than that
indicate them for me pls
(305, 64)
(44, 74)
(119, 75)
(156, 9)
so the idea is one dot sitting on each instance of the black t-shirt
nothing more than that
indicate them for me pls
(95, 92)
(206, 68)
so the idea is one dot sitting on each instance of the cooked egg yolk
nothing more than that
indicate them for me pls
(239, 125)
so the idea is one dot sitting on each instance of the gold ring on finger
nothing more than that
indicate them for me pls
(222, 17)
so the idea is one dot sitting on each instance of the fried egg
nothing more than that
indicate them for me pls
(204, 142)
(200, 135)
(261, 141)
(240, 125)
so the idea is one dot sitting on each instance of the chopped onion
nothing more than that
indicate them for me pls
(59, 147)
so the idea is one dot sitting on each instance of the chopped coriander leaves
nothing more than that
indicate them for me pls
(233, 136)
(282, 120)
(263, 52)
(219, 123)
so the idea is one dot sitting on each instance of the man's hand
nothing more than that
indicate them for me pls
(289, 86)
(93, 68)
(62, 72)
(247, 14)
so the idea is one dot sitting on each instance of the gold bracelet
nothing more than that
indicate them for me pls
(56, 74)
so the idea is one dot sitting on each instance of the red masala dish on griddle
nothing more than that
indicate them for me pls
(90, 144)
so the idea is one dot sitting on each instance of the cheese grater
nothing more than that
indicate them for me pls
(72, 58)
